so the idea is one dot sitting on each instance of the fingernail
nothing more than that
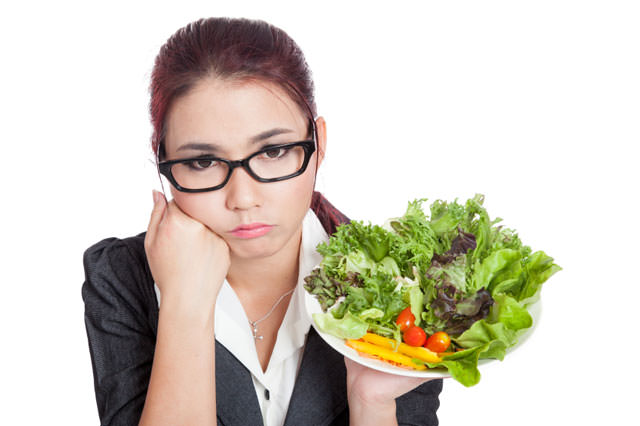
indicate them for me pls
(156, 196)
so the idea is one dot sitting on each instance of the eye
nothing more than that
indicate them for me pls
(202, 164)
(275, 153)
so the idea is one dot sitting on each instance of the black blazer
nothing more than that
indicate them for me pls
(121, 318)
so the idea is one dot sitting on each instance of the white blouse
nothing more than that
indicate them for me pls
(232, 329)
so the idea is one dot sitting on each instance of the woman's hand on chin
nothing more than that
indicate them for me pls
(188, 261)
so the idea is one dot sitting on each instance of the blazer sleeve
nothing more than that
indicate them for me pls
(419, 407)
(121, 337)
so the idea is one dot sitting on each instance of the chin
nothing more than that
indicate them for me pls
(255, 248)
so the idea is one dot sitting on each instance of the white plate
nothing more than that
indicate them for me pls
(313, 306)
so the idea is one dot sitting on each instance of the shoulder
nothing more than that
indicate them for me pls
(117, 274)
(117, 257)
(113, 249)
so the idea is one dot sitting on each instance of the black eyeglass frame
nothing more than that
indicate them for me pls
(309, 147)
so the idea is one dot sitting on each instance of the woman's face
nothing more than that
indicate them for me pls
(238, 118)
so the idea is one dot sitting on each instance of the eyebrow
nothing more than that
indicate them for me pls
(201, 146)
(269, 133)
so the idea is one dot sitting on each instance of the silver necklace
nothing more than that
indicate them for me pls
(254, 324)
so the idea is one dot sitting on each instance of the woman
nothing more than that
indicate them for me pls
(236, 134)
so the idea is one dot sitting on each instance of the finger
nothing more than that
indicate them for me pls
(156, 214)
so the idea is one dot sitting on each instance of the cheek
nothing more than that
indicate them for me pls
(293, 196)
(202, 207)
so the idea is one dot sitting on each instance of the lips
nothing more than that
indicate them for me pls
(252, 230)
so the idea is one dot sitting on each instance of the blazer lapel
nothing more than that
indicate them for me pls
(320, 392)
(237, 402)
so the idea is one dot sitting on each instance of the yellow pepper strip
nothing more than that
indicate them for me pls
(384, 354)
(376, 339)
(419, 352)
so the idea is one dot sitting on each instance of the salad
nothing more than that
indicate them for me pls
(437, 291)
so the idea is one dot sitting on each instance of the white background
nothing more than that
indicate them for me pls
(534, 104)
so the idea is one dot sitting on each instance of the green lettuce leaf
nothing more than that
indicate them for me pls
(446, 217)
(373, 240)
(537, 269)
(463, 365)
(416, 301)
(371, 313)
(348, 327)
(492, 265)
(511, 313)
(415, 241)
(497, 338)
(357, 261)
(499, 330)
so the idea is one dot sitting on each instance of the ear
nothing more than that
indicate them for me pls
(321, 127)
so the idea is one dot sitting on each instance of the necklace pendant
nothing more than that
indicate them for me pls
(255, 333)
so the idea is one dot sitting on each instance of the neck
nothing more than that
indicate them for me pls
(266, 277)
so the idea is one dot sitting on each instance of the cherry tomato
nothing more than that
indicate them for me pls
(414, 336)
(438, 342)
(405, 319)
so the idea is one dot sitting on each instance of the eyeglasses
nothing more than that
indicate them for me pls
(272, 163)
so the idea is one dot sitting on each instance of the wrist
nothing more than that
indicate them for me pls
(371, 413)
(186, 312)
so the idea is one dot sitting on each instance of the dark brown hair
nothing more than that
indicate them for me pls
(229, 48)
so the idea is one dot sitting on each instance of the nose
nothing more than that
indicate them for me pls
(242, 191)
